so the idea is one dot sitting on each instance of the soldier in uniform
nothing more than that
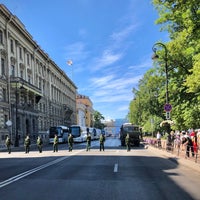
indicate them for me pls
(70, 142)
(27, 143)
(55, 144)
(39, 144)
(127, 140)
(8, 144)
(101, 141)
(88, 140)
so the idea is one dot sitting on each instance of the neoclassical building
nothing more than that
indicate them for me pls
(85, 111)
(34, 92)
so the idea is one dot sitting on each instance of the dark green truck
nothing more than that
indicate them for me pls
(134, 134)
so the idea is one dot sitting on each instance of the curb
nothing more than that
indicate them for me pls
(176, 160)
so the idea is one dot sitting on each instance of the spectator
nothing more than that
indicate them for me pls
(198, 138)
(158, 137)
(187, 142)
(169, 142)
(193, 136)
(177, 141)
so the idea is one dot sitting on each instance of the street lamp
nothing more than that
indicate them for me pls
(155, 56)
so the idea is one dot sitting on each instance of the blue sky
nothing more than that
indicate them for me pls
(109, 41)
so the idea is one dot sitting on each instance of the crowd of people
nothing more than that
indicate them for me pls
(184, 140)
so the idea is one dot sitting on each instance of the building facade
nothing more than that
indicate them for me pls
(34, 92)
(85, 111)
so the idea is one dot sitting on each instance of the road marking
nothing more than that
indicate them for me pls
(116, 168)
(29, 172)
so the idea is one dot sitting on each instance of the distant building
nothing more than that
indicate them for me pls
(110, 128)
(113, 126)
(85, 111)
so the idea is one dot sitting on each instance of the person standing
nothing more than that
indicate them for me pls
(27, 143)
(39, 144)
(127, 140)
(55, 144)
(70, 142)
(8, 144)
(102, 140)
(187, 142)
(158, 137)
(88, 140)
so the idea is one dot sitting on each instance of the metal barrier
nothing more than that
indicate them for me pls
(180, 150)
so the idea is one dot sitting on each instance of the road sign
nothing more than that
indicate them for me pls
(167, 107)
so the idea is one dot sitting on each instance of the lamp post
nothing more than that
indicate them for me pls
(16, 116)
(155, 56)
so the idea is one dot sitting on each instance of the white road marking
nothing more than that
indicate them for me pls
(116, 168)
(29, 172)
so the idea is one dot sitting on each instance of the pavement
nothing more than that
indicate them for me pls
(177, 159)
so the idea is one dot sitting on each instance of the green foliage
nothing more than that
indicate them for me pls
(181, 19)
(98, 117)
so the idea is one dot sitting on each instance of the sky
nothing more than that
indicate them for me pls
(108, 41)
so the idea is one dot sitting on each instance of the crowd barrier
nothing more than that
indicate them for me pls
(180, 150)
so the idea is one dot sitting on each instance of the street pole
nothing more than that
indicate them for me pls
(155, 56)
(16, 117)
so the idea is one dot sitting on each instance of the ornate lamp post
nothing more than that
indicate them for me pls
(167, 106)
(155, 56)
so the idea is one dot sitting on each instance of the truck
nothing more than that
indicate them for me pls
(134, 134)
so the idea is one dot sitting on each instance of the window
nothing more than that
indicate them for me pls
(4, 94)
(1, 37)
(12, 70)
(28, 59)
(11, 46)
(40, 84)
(20, 53)
(2, 66)
(5, 118)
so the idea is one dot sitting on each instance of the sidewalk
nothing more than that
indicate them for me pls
(180, 160)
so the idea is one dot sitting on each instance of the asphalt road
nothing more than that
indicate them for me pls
(113, 174)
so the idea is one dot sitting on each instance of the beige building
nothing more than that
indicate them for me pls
(85, 111)
(34, 92)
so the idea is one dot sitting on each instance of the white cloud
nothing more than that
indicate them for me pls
(76, 51)
(123, 34)
(107, 58)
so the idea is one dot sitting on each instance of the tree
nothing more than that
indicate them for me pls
(181, 18)
(98, 117)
